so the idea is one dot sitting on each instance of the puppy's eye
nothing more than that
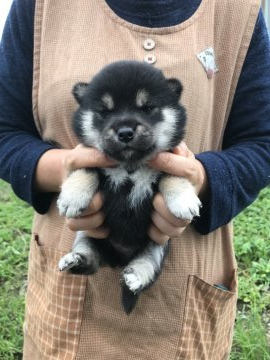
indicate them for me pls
(104, 111)
(147, 109)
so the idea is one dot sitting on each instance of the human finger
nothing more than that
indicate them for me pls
(174, 164)
(86, 157)
(95, 205)
(89, 222)
(157, 236)
(100, 233)
(165, 227)
(183, 150)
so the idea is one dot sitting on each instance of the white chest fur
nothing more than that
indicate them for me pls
(142, 180)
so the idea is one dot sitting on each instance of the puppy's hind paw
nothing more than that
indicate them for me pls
(132, 280)
(69, 261)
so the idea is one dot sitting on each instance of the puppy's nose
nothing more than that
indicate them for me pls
(125, 134)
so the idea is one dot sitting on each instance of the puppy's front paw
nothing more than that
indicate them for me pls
(185, 205)
(77, 192)
(180, 197)
(71, 204)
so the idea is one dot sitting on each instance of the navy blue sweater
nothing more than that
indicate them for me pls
(236, 174)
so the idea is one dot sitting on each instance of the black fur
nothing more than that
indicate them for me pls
(123, 79)
(127, 226)
(126, 126)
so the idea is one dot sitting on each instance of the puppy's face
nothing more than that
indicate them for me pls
(129, 111)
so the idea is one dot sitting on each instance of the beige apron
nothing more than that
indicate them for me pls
(183, 316)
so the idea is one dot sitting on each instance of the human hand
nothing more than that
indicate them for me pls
(92, 219)
(54, 166)
(84, 157)
(181, 162)
(164, 225)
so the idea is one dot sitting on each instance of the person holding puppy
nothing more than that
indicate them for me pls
(189, 312)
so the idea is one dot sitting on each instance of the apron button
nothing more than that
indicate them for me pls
(149, 44)
(150, 59)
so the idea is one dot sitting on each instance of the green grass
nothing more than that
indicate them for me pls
(15, 225)
(250, 342)
(252, 245)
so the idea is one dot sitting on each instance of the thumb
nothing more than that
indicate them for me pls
(183, 150)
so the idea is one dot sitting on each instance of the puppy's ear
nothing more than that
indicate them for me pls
(175, 86)
(79, 90)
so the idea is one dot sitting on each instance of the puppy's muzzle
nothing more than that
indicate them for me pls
(125, 134)
(127, 138)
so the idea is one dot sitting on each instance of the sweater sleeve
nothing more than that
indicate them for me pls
(20, 143)
(242, 168)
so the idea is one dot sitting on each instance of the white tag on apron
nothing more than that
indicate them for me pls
(207, 59)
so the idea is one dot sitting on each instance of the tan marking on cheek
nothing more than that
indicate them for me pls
(139, 129)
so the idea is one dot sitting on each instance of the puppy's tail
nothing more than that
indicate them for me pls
(129, 299)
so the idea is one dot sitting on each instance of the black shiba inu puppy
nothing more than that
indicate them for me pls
(130, 112)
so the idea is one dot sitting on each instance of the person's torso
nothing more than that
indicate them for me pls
(73, 41)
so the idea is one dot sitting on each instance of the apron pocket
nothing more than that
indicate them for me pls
(208, 323)
(54, 303)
